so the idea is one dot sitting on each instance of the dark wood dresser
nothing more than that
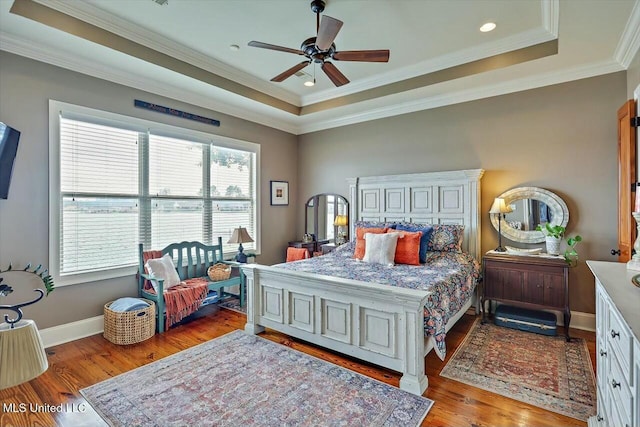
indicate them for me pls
(313, 246)
(538, 282)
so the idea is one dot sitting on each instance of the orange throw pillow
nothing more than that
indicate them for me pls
(408, 248)
(360, 242)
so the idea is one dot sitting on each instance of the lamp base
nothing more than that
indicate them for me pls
(241, 257)
(500, 249)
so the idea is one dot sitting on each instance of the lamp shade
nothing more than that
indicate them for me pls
(499, 206)
(22, 356)
(341, 221)
(240, 235)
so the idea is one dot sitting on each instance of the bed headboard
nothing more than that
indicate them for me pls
(450, 197)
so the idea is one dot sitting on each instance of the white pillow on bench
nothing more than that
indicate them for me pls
(163, 268)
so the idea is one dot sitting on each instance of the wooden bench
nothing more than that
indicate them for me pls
(191, 259)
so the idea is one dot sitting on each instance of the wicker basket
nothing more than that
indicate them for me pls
(129, 327)
(219, 272)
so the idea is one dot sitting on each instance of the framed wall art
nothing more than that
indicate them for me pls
(279, 193)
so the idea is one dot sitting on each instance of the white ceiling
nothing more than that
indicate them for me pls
(594, 37)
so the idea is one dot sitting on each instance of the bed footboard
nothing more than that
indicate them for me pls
(379, 324)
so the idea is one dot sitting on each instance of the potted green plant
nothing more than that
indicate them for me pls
(553, 237)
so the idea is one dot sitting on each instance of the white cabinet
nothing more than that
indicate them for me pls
(636, 380)
(617, 348)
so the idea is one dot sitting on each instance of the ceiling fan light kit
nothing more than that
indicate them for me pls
(320, 49)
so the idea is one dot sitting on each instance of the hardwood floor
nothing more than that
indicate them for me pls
(78, 364)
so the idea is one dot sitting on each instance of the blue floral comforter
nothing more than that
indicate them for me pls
(450, 277)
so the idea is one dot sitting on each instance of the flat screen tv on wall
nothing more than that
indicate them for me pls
(8, 148)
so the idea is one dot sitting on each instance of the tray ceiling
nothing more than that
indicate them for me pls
(438, 55)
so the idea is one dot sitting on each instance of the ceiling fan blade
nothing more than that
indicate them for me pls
(254, 43)
(381, 55)
(290, 72)
(327, 32)
(334, 74)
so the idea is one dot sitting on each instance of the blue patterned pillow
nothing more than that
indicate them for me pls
(446, 238)
(374, 224)
(426, 230)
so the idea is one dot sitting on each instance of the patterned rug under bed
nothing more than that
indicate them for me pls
(544, 371)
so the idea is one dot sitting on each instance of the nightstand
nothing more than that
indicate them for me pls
(312, 246)
(329, 247)
(537, 281)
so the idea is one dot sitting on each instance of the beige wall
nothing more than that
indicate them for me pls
(25, 88)
(562, 138)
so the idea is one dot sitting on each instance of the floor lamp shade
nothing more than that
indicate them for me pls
(22, 356)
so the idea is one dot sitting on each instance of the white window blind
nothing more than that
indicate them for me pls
(99, 192)
(231, 194)
(121, 184)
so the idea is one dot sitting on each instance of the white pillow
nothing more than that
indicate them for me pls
(163, 268)
(380, 248)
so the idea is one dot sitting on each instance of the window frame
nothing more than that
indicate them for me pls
(56, 108)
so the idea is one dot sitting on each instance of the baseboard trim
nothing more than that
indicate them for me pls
(72, 331)
(95, 325)
(580, 320)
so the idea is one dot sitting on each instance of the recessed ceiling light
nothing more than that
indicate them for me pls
(489, 26)
(234, 47)
(310, 83)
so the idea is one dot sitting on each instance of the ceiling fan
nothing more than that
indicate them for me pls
(321, 48)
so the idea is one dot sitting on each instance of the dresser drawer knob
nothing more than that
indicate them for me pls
(615, 334)
(615, 384)
(603, 353)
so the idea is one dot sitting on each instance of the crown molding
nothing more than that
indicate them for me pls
(95, 16)
(100, 18)
(264, 115)
(249, 111)
(429, 102)
(629, 43)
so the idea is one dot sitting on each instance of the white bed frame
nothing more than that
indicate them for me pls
(380, 324)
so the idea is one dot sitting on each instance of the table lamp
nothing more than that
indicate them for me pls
(240, 236)
(340, 221)
(499, 207)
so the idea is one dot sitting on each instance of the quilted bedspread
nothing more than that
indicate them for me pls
(450, 277)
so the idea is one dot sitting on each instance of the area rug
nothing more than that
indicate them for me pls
(233, 304)
(543, 371)
(245, 380)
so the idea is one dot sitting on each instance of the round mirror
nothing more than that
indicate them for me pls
(320, 216)
(530, 206)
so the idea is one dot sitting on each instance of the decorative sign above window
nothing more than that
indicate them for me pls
(176, 113)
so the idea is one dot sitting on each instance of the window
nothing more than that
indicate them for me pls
(117, 181)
